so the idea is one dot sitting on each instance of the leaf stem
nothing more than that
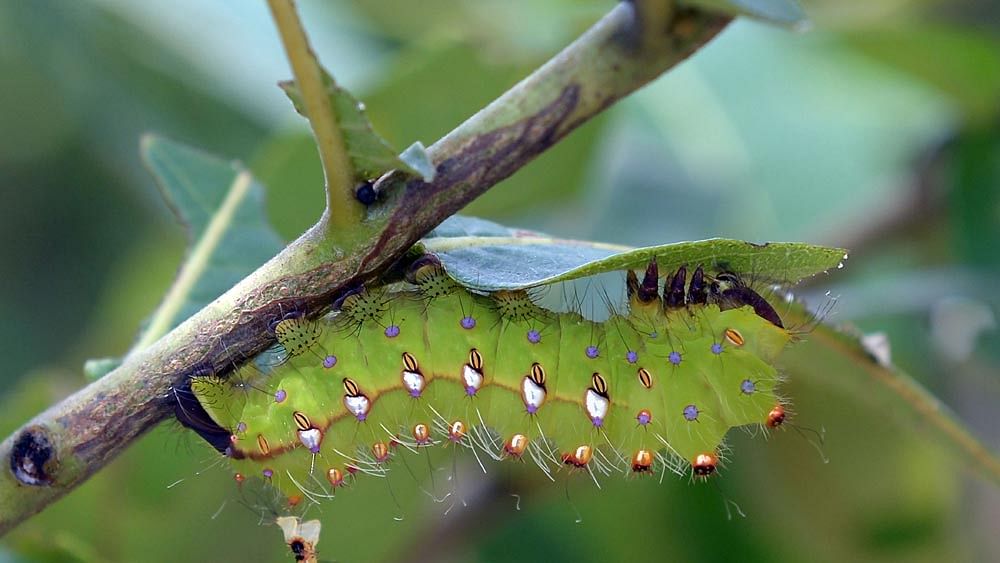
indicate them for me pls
(343, 211)
(196, 262)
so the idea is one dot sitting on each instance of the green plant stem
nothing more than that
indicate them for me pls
(342, 209)
(196, 262)
(73, 439)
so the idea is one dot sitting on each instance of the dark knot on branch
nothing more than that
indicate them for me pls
(32, 459)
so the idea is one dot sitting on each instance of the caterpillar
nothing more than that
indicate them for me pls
(650, 390)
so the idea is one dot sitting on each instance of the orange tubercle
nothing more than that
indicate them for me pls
(580, 457)
(457, 430)
(381, 451)
(642, 461)
(335, 477)
(705, 464)
(776, 417)
(516, 445)
(422, 434)
(734, 337)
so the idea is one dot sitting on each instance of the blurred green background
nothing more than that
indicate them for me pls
(879, 131)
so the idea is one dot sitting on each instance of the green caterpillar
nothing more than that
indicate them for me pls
(652, 390)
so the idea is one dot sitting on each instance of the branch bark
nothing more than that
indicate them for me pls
(63, 446)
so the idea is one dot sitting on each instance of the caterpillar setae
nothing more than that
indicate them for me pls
(650, 390)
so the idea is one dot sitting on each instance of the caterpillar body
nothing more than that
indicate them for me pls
(653, 389)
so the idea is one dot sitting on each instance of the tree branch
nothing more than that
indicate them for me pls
(342, 209)
(60, 448)
(605, 64)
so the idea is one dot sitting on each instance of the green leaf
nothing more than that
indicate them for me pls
(782, 12)
(839, 359)
(488, 256)
(222, 208)
(370, 155)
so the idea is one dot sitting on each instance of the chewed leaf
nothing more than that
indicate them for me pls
(487, 256)
(782, 12)
(370, 155)
(222, 207)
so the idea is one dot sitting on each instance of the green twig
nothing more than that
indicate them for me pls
(343, 211)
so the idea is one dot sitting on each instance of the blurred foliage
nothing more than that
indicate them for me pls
(878, 131)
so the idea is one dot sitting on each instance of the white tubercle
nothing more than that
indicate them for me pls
(532, 393)
(311, 439)
(472, 378)
(358, 405)
(414, 382)
(596, 405)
